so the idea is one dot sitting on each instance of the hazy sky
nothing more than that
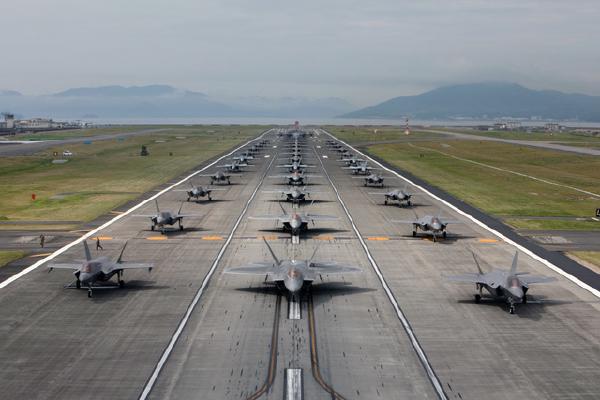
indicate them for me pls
(364, 51)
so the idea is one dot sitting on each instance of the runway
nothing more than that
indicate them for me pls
(186, 330)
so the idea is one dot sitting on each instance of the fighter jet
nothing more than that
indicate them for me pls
(295, 166)
(295, 178)
(243, 158)
(163, 218)
(293, 194)
(430, 224)
(292, 275)
(235, 166)
(361, 168)
(218, 177)
(350, 161)
(511, 286)
(99, 269)
(196, 192)
(295, 223)
(373, 179)
(399, 195)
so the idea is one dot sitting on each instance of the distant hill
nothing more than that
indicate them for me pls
(122, 91)
(486, 101)
(163, 101)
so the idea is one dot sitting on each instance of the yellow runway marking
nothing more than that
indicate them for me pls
(272, 237)
(488, 240)
(324, 237)
(212, 237)
(378, 238)
(39, 255)
(102, 238)
(156, 238)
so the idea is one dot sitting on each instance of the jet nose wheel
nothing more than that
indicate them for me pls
(511, 309)
(78, 284)
(477, 298)
(121, 283)
(90, 293)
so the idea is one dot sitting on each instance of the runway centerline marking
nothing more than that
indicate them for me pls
(437, 385)
(167, 352)
(498, 234)
(142, 203)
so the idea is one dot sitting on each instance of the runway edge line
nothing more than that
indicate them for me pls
(525, 250)
(66, 247)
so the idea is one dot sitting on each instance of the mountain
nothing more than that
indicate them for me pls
(9, 93)
(163, 101)
(122, 91)
(486, 101)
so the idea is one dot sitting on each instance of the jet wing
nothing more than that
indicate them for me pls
(71, 266)
(252, 269)
(128, 265)
(266, 217)
(404, 221)
(467, 278)
(333, 268)
(144, 215)
(188, 216)
(312, 176)
(279, 176)
(529, 279)
(317, 217)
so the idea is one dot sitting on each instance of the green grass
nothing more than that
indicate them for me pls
(567, 136)
(7, 256)
(372, 134)
(536, 224)
(105, 174)
(502, 193)
(593, 257)
(87, 132)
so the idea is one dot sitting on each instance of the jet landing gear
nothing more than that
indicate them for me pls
(511, 309)
(477, 298)
(180, 226)
(90, 291)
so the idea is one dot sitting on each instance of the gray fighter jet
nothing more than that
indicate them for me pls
(243, 158)
(295, 166)
(292, 275)
(429, 224)
(99, 269)
(511, 286)
(399, 195)
(235, 166)
(196, 192)
(361, 168)
(295, 223)
(373, 180)
(350, 161)
(295, 178)
(218, 177)
(163, 218)
(293, 194)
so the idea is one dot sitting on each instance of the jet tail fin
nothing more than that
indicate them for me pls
(513, 267)
(86, 249)
(121, 253)
(271, 251)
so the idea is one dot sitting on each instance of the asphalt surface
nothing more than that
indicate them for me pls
(56, 343)
(12, 149)
(531, 143)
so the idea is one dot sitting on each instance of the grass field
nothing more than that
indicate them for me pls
(567, 136)
(87, 132)
(102, 175)
(370, 134)
(7, 256)
(593, 257)
(502, 193)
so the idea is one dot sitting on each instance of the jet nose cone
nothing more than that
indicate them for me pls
(85, 277)
(516, 292)
(436, 226)
(293, 285)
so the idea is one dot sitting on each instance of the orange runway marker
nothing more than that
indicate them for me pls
(156, 238)
(488, 240)
(212, 237)
(272, 237)
(378, 238)
(39, 255)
